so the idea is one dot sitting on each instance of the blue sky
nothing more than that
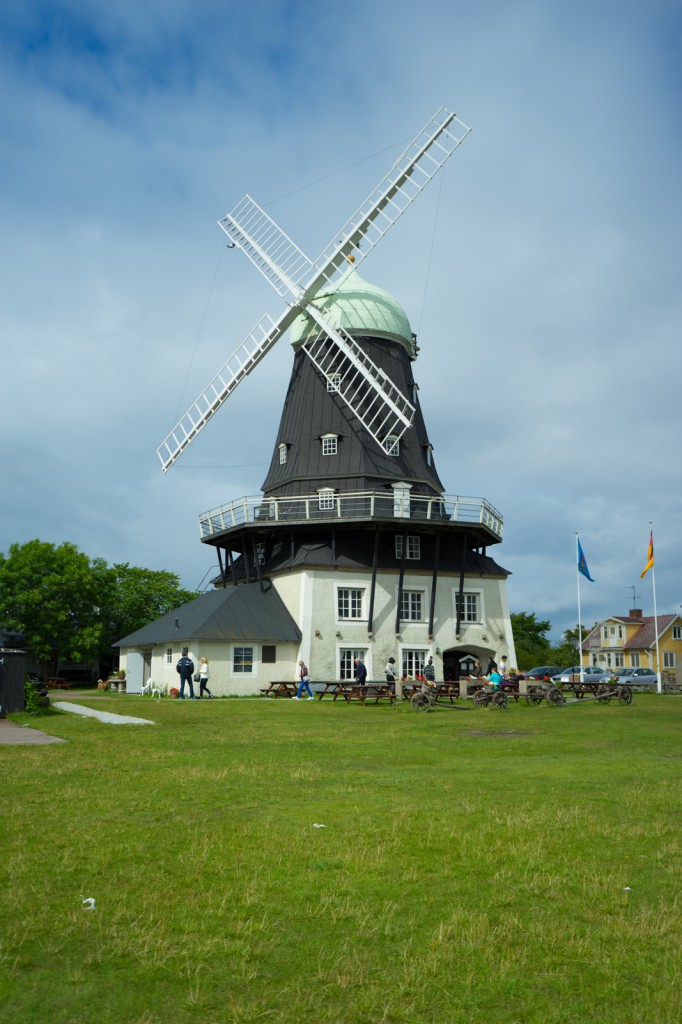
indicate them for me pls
(541, 274)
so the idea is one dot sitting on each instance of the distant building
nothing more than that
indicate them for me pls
(629, 641)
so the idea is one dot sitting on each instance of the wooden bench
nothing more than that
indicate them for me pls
(56, 683)
(280, 689)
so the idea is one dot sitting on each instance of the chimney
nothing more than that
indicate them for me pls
(636, 613)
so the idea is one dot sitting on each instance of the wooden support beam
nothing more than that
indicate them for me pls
(434, 583)
(373, 585)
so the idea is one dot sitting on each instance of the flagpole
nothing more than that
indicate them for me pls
(580, 625)
(659, 681)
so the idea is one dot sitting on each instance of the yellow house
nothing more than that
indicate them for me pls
(629, 641)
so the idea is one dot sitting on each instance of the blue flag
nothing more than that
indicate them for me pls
(582, 564)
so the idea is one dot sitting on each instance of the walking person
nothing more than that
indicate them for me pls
(360, 672)
(305, 681)
(392, 677)
(185, 668)
(203, 678)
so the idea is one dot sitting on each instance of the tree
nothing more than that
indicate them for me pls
(136, 597)
(567, 652)
(530, 640)
(52, 595)
(71, 608)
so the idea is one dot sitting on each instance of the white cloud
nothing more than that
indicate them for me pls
(541, 275)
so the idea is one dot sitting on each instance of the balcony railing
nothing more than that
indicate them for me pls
(349, 506)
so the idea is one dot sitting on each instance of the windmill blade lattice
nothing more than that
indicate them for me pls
(370, 393)
(374, 399)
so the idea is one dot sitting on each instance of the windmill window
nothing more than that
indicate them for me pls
(169, 655)
(330, 444)
(468, 603)
(347, 658)
(325, 499)
(413, 549)
(282, 454)
(269, 654)
(411, 605)
(333, 382)
(413, 661)
(392, 445)
(349, 602)
(242, 660)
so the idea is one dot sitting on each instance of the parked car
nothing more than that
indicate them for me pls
(591, 674)
(637, 676)
(543, 672)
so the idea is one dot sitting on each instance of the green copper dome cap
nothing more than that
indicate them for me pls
(361, 308)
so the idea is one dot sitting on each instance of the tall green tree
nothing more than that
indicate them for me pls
(137, 596)
(530, 639)
(53, 596)
(566, 653)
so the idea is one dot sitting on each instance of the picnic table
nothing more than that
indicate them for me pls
(349, 690)
(280, 689)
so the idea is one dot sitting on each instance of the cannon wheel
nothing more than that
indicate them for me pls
(481, 698)
(625, 695)
(603, 695)
(420, 702)
(500, 700)
(555, 697)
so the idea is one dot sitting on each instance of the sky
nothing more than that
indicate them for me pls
(540, 270)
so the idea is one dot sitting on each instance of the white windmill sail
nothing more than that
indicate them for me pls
(374, 399)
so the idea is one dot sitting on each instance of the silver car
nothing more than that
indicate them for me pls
(637, 676)
(591, 674)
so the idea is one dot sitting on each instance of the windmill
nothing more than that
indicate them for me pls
(352, 548)
(378, 404)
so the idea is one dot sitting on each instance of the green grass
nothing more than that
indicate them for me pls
(474, 867)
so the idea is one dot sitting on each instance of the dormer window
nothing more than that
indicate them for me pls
(392, 445)
(282, 454)
(333, 382)
(325, 499)
(330, 443)
(429, 457)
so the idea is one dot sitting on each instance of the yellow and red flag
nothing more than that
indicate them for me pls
(649, 557)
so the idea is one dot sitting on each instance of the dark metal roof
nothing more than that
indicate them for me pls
(310, 411)
(246, 613)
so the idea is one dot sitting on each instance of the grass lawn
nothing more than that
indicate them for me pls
(488, 866)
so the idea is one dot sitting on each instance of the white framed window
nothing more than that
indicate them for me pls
(606, 632)
(347, 656)
(242, 660)
(413, 549)
(392, 445)
(330, 444)
(333, 382)
(618, 660)
(620, 632)
(169, 655)
(677, 632)
(413, 660)
(613, 630)
(282, 454)
(411, 605)
(470, 605)
(350, 602)
(325, 498)
(634, 661)
(668, 659)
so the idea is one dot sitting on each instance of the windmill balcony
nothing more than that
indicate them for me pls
(352, 506)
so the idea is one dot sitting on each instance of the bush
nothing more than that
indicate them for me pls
(35, 699)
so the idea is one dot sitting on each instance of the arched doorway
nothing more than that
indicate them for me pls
(458, 662)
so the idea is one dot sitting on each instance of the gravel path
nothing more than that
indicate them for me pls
(103, 716)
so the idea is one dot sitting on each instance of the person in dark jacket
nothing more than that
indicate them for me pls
(360, 672)
(185, 668)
